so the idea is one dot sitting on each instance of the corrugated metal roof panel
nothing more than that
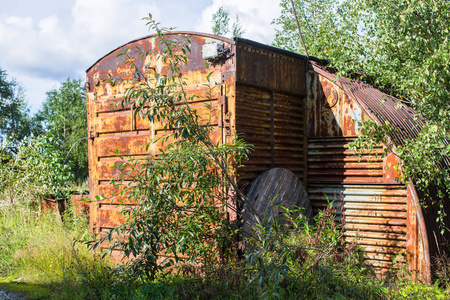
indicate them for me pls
(382, 107)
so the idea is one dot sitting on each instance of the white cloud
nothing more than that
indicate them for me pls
(41, 45)
(255, 17)
(38, 48)
(102, 25)
(41, 51)
(48, 48)
(35, 88)
(20, 22)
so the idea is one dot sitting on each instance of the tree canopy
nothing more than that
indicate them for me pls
(400, 46)
(221, 24)
(64, 114)
(15, 121)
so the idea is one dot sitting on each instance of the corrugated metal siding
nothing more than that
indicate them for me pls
(330, 160)
(270, 108)
(254, 123)
(375, 203)
(375, 213)
(378, 105)
(384, 108)
(274, 123)
(290, 134)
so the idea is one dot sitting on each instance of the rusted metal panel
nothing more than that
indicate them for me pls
(331, 161)
(254, 123)
(269, 67)
(270, 109)
(417, 238)
(274, 123)
(374, 216)
(80, 203)
(331, 112)
(385, 109)
(289, 134)
(54, 205)
(116, 130)
(375, 210)
(375, 202)
(109, 215)
(330, 121)
(377, 105)
(391, 169)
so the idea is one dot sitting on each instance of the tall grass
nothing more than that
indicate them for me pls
(39, 247)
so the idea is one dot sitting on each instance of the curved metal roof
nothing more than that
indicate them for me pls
(188, 33)
(379, 106)
(382, 107)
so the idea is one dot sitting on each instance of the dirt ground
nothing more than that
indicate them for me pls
(6, 295)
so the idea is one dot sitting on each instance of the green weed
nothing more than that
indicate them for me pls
(40, 248)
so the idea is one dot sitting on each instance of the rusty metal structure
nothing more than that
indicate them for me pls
(299, 117)
(382, 214)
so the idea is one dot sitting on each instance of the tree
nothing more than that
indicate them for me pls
(181, 192)
(400, 46)
(318, 21)
(220, 21)
(15, 121)
(221, 24)
(236, 28)
(36, 170)
(64, 114)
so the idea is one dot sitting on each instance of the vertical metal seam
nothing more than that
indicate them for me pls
(272, 128)
(305, 140)
(133, 119)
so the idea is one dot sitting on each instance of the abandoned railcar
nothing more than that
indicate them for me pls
(298, 117)
(259, 95)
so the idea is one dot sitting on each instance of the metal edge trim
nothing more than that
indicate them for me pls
(224, 39)
(420, 218)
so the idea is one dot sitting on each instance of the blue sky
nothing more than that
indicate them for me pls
(45, 42)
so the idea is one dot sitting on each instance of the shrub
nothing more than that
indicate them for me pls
(33, 170)
(181, 192)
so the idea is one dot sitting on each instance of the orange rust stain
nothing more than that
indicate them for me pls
(391, 170)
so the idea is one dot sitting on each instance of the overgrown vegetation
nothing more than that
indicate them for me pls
(38, 250)
(31, 170)
(62, 123)
(181, 195)
(401, 47)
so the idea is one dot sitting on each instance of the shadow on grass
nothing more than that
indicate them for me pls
(27, 290)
